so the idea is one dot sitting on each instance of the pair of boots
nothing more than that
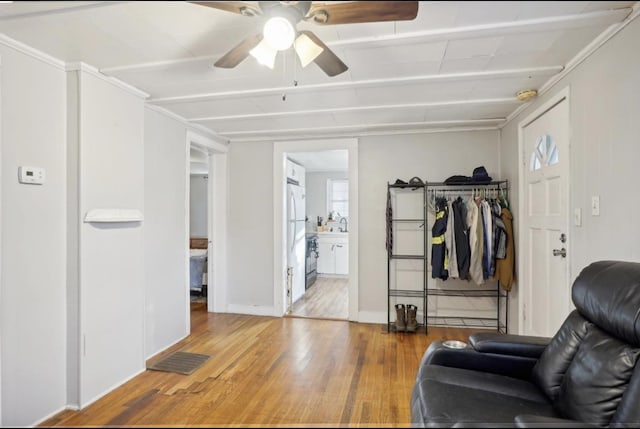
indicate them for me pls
(406, 318)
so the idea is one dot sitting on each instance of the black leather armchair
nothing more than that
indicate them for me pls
(586, 375)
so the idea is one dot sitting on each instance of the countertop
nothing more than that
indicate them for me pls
(334, 234)
(327, 234)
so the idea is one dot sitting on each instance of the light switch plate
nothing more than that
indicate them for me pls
(31, 175)
(577, 217)
(595, 205)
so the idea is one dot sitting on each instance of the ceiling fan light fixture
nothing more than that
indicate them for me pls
(279, 33)
(307, 49)
(265, 54)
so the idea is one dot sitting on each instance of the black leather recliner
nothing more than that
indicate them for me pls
(586, 375)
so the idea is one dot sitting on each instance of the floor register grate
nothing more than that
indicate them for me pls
(180, 362)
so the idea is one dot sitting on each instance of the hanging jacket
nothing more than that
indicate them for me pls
(461, 226)
(476, 241)
(505, 268)
(487, 230)
(389, 212)
(450, 243)
(439, 262)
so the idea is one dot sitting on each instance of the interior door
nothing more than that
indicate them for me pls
(546, 170)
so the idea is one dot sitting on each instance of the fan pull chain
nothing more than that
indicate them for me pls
(295, 81)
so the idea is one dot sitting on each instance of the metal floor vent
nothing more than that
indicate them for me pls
(180, 362)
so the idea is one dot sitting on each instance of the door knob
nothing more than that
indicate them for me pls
(560, 252)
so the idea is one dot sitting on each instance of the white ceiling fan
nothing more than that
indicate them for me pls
(280, 33)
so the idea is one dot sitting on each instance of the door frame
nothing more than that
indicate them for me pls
(216, 220)
(563, 94)
(280, 151)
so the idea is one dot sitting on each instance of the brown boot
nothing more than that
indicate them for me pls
(412, 322)
(401, 321)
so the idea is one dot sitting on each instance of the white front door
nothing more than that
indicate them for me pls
(545, 288)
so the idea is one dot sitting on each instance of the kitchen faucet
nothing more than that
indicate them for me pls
(343, 229)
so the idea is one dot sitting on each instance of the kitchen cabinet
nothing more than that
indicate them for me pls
(342, 258)
(334, 253)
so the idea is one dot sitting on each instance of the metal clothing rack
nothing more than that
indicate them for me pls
(497, 189)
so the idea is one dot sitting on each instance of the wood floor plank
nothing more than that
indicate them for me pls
(275, 372)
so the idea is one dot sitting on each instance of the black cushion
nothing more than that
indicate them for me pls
(607, 293)
(628, 410)
(549, 371)
(516, 345)
(596, 379)
(444, 395)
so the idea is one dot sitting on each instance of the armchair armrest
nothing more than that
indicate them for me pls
(469, 358)
(532, 421)
(515, 345)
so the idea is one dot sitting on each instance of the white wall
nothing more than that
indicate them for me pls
(432, 157)
(33, 288)
(165, 232)
(316, 195)
(604, 114)
(250, 226)
(429, 156)
(198, 206)
(111, 256)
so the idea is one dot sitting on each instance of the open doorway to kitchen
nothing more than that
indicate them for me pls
(324, 255)
(326, 244)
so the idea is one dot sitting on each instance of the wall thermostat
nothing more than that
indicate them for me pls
(31, 175)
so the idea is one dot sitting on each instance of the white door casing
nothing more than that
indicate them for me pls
(544, 176)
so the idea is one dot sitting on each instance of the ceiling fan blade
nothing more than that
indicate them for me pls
(236, 55)
(330, 13)
(327, 60)
(242, 8)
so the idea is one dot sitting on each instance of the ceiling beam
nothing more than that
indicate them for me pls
(597, 18)
(509, 100)
(331, 86)
(366, 130)
(395, 125)
(564, 22)
(79, 6)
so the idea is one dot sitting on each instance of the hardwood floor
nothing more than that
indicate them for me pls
(270, 371)
(327, 298)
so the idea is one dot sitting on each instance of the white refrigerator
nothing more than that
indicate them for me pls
(296, 239)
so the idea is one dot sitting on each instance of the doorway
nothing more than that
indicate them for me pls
(544, 244)
(210, 158)
(198, 224)
(326, 247)
(281, 151)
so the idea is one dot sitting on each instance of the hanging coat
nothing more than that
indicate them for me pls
(476, 241)
(505, 268)
(461, 236)
(439, 262)
(487, 230)
(450, 242)
(389, 212)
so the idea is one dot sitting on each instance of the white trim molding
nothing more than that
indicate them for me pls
(32, 52)
(80, 66)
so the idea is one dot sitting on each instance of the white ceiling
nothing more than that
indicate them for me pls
(457, 65)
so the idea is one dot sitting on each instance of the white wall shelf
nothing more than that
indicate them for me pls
(113, 216)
